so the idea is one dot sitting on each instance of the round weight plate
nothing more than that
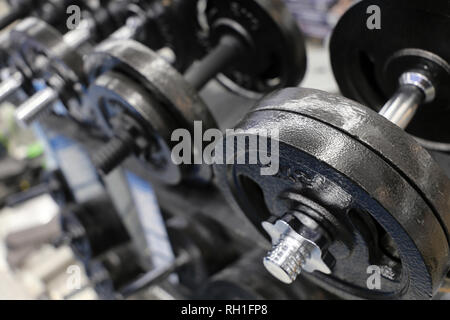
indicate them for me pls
(367, 63)
(277, 58)
(39, 44)
(326, 169)
(113, 93)
(166, 87)
(385, 139)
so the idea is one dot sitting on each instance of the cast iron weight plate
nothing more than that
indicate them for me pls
(365, 195)
(171, 102)
(277, 58)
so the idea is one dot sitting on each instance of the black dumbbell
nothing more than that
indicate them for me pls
(354, 192)
(195, 243)
(256, 40)
(37, 45)
(140, 25)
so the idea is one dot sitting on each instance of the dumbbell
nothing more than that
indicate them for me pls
(194, 243)
(67, 89)
(53, 12)
(354, 193)
(143, 99)
(354, 196)
(40, 51)
(406, 66)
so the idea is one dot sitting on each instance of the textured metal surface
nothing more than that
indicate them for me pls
(174, 24)
(356, 184)
(368, 71)
(277, 56)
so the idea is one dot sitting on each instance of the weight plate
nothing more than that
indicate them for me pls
(166, 87)
(113, 93)
(371, 210)
(44, 51)
(367, 63)
(177, 27)
(385, 139)
(277, 57)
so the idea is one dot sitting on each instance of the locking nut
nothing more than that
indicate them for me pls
(292, 253)
(286, 260)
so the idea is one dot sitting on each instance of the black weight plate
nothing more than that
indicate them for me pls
(162, 81)
(113, 93)
(278, 55)
(385, 139)
(80, 245)
(361, 57)
(352, 183)
(172, 94)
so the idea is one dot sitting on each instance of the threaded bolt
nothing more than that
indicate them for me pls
(287, 258)
(113, 154)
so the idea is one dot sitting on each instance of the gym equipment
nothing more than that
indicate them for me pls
(113, 270)
(44, 57)
(138, 25)
(254, 47)
(142, 99)
(70, 87)
(195, 245)
(405, 62)
(200, 237)
(353, 191)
